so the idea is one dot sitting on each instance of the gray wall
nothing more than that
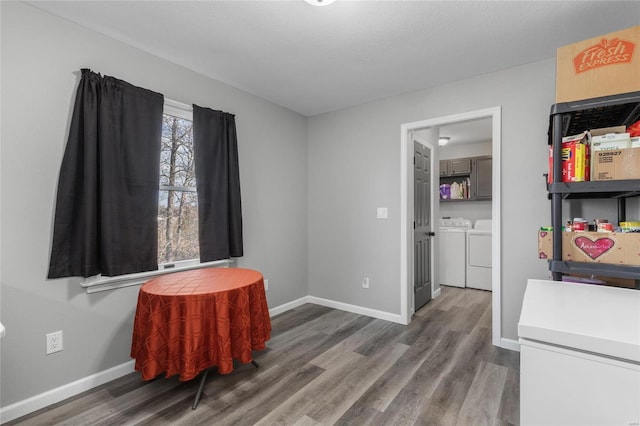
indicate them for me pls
(41, 57)
(354, 166)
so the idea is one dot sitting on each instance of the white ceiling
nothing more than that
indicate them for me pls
(318, 59)
(471, 131)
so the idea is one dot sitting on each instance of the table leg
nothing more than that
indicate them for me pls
(204, 377)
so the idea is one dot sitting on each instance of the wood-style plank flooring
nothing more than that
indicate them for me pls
(324, 367)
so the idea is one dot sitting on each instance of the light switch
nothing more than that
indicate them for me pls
(383, 213)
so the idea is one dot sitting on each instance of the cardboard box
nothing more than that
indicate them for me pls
(600, 66)
(616, 164)
(611, 141)
(545, 247)
(593, 133)
(593, 247)
(583, 164)
(545, 244)
(598, 247)
(607, 130)
(575, 157)
(619, 282)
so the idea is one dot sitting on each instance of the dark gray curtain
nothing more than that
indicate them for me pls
(107, 203)
(218, 184)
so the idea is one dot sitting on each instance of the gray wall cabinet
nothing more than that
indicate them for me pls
(481, 178)
(479, 171)
(457, 167)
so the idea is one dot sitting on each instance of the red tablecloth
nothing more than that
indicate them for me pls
(189, 321)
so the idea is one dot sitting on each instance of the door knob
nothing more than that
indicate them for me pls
(431, 234)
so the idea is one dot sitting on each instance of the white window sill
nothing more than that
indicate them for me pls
(100, 283)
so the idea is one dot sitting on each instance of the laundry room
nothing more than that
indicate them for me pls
(465, 153)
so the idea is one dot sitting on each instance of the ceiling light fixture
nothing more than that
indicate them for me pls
(443, 140)
(320, 2)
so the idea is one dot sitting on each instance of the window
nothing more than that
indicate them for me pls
(178, 200)
(177, 218)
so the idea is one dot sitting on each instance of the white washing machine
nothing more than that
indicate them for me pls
(453, 251)
(479, 257)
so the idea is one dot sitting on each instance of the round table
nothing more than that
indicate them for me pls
(187, 322)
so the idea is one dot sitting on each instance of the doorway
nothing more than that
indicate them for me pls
(407, 137)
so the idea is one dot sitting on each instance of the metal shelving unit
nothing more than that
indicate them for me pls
(596, 189)
(602, 269)
(569, 118)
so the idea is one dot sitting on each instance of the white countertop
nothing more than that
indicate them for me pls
(593, 318)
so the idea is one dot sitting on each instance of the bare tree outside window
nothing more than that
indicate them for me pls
(178, 202)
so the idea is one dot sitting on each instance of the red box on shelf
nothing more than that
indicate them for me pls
(574, 161)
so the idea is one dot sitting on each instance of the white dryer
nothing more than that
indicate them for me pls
(453, 251)
(479, 257)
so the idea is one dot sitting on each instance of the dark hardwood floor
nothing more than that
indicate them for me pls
(323, 367)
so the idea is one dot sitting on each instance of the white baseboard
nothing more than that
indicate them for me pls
(336, 305)
(53, 396)
(35, 403)
(436, 293)
(288, 306)
(356, 309)
(510, 344)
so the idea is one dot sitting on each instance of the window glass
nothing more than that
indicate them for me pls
(177, 201)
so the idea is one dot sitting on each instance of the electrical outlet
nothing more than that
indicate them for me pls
(54, 342)
(365, 282)
(266, 285)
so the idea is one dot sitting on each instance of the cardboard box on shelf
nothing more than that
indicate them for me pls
(607, 130)
(575, 157)
(593, 247)
(611, 141)
(600, 66)
(583, 165)
(545, 244)
(616, 164)
(598, 247)
(595, 133)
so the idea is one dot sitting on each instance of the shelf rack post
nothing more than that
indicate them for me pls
(622, 209)
(556, 198)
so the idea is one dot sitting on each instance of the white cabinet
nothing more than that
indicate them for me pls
(579, 355)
